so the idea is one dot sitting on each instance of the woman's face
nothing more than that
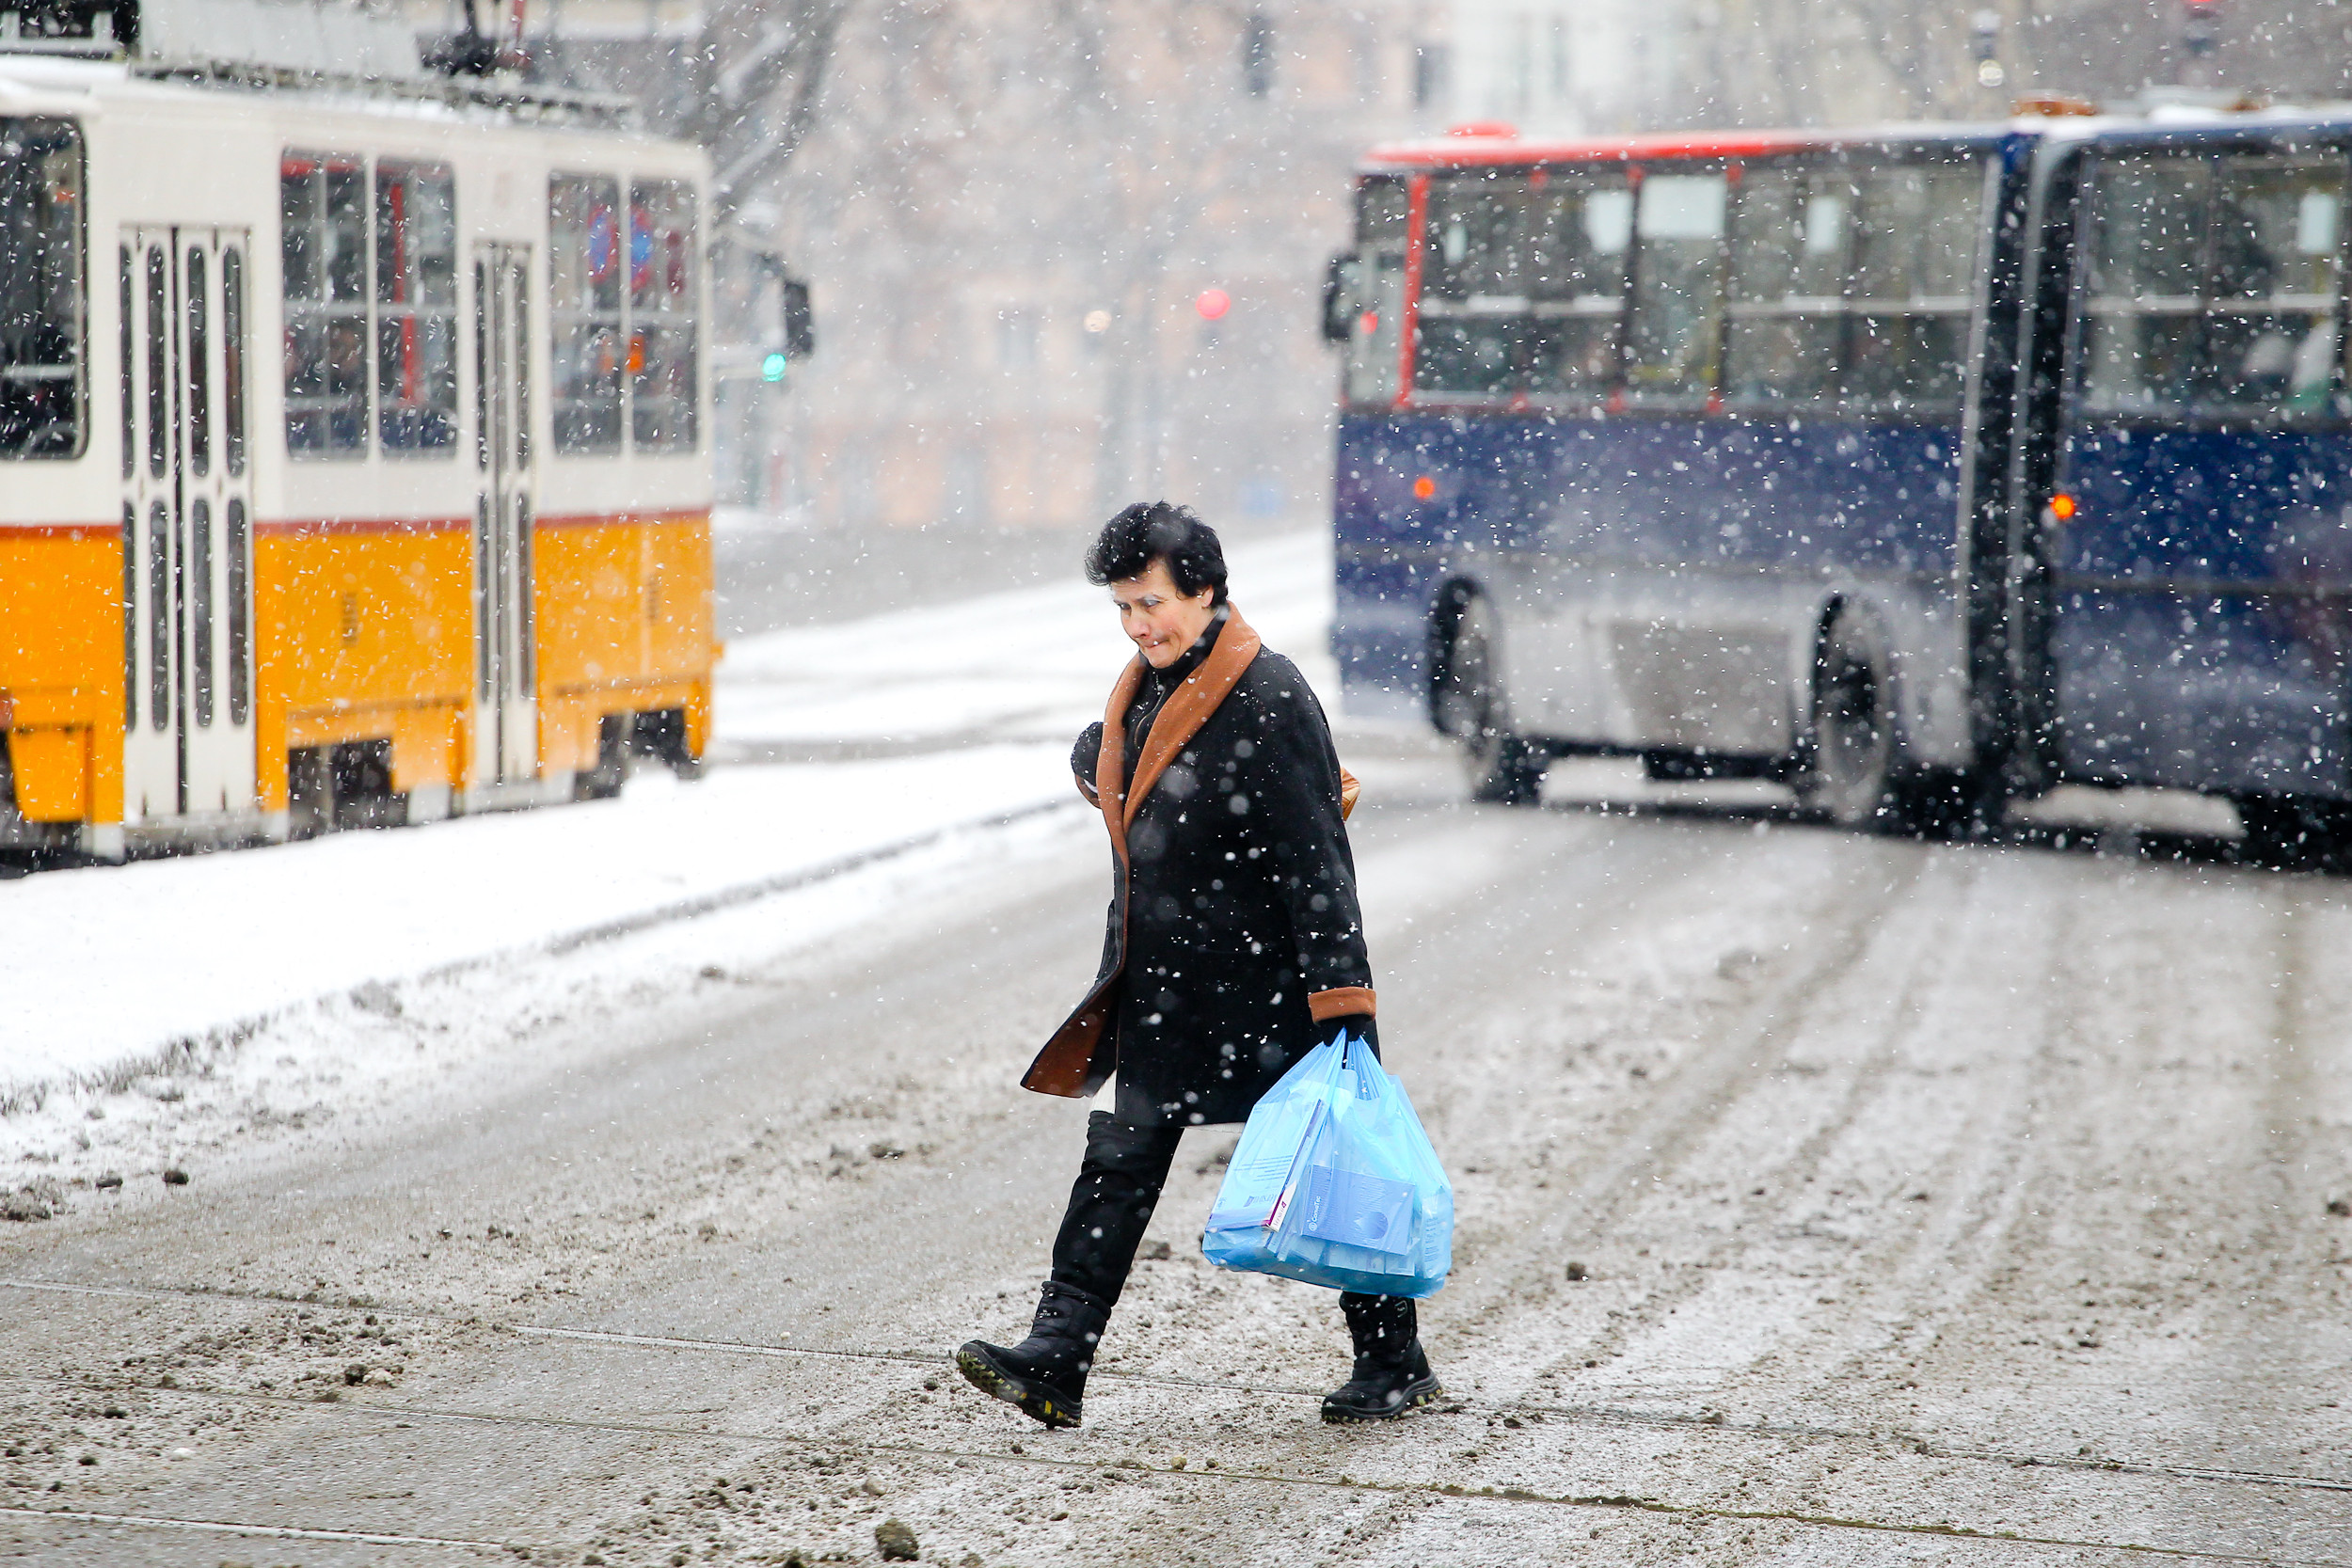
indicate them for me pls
(1163, 621)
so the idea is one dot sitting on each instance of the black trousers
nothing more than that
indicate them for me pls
(1117, 1187)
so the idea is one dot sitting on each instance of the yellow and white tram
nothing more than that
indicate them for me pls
(353, 455)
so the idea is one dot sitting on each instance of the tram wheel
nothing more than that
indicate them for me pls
(1504, 768)
(1847, 768)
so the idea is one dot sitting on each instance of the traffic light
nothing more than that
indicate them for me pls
(2201, 25)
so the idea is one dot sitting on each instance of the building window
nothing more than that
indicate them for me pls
(415, 308)
(323, 205)
(41, 324)
(584, 309)
(1257, 54)
(664, 291)
(1432, 75)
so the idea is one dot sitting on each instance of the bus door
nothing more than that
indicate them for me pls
(186, 524)
(506, 727)
(2200, 526)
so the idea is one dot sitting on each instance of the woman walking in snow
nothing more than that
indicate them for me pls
(1233, 947)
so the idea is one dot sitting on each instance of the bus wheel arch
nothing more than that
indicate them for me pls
(1467, 703)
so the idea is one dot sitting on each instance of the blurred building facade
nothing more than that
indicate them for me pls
(1013, 212)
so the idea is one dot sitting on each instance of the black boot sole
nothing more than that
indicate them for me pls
(1418, 1392)
(1039, 1401)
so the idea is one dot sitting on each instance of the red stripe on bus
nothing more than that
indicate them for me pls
(1513, 150)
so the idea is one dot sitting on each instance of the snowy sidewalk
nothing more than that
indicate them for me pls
(109, 967)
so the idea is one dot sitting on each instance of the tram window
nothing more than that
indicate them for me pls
(1914, 275)
(127, 304)
(322, 208)
(1792, 237)
(238, 588)
(1672, 345)
(416, 308)
(664, 293)
(585, 246)
(232, 359)
(130, 610)
(1523, 278)
(42, 322)
(201, 607)
(2211, 286)
(158, 389)
(158, 616)
(198, 367)
(1377, 291)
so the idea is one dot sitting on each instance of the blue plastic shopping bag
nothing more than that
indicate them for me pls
(1334, 1183)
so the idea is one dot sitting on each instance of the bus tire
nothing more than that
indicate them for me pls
(1504, 768)
(1849, 762)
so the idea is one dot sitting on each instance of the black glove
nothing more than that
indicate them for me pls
(1361, 1025)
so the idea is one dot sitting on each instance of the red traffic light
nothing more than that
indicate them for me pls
(1213, 304)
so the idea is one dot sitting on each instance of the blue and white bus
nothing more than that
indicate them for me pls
(1919, 468)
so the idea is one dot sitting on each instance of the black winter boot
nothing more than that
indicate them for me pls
(1392, 1374)
(1046, 1374)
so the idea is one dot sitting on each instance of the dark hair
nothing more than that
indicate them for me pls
(1158, 530)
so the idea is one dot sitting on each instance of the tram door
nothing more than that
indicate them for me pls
(506, 726)
(187, 547)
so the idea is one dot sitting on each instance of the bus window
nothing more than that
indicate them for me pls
(324, 238)
(1523, 283)
(40, 288)
(584, 245)
(1791, 236)
(664, 293)
(1915, 276)
(2210, 286)
(1671, 348)
(416, 308)
(1378, 291)
(2271, 336)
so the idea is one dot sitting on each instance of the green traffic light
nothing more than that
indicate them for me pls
(772, 368)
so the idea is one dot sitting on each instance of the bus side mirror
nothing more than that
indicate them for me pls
(800, 322)
(1339, 298)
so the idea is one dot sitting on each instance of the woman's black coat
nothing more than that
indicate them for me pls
(1234, 932)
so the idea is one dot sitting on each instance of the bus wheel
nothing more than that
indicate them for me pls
(1847, 772)
(1504, 769)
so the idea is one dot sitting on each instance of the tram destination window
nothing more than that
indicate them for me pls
(416, 308)
(41, 318)
(2210, 287)
(664, 293)
(1523, 282)
(324, 238)
(584, 253)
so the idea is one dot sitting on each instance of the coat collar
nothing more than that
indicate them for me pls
(1188, 707)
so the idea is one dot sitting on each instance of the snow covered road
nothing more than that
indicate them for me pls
(1824, 1199)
